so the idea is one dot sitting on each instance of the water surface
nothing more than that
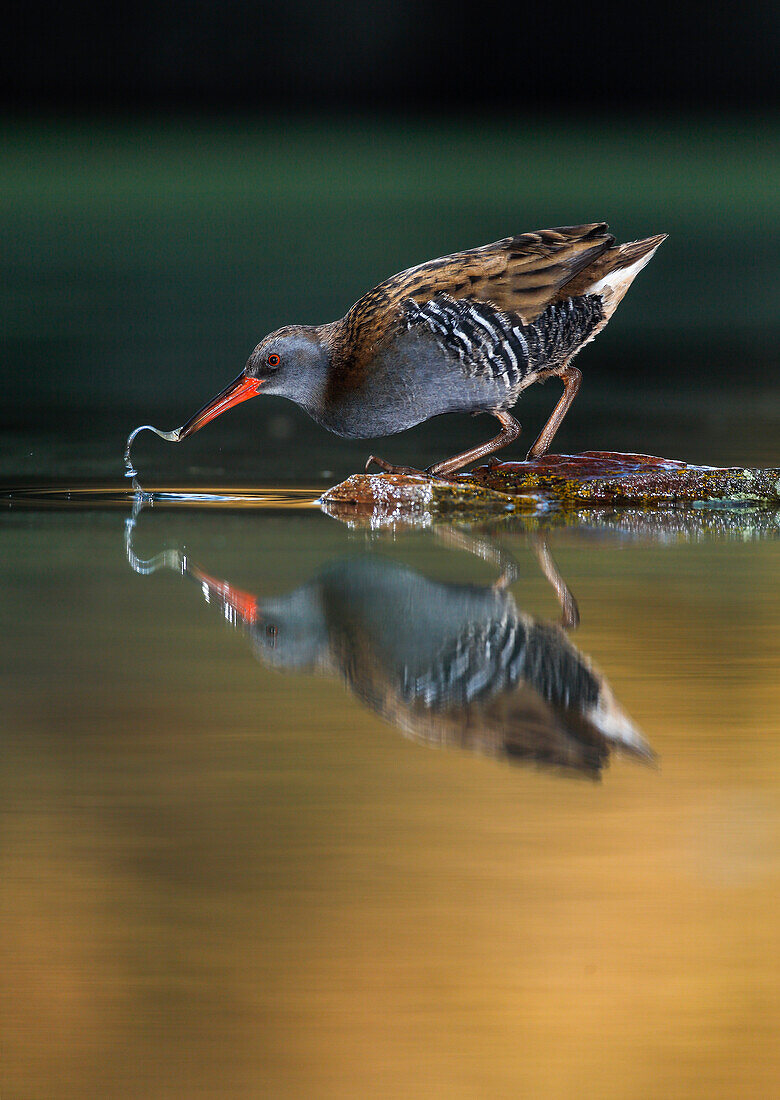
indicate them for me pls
(297, 810)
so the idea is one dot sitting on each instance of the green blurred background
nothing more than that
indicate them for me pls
(195, 180)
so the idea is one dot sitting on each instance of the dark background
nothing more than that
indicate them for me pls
(392, 55)
(177, 180)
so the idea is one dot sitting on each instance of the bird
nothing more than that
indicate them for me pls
(465, 333)
(451, 665)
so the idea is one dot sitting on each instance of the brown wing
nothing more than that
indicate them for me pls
(520, 275)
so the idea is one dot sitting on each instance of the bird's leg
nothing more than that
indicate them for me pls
(570, 614)
(510, 430)
(571, 384)
(389, 468)
(482, 547)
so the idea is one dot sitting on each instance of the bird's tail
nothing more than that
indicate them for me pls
(613, 723)
(615, 270)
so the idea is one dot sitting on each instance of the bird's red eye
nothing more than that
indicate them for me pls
(273, 360)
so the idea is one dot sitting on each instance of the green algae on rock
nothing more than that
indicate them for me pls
(606, 477)
(552, 483)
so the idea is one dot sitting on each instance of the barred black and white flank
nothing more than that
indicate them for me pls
(488, 341)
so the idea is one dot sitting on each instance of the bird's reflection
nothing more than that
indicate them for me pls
(455, 665)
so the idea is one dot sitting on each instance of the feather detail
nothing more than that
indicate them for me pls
(519, 275)
(487, 341)
(614, 271)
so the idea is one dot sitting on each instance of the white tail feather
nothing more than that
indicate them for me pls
(615, 725)
(613, 286)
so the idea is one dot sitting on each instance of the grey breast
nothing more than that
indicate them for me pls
(410, 381)
(460, 356)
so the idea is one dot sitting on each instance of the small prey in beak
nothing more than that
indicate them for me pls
(240, 389)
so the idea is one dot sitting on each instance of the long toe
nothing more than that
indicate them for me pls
(388, 468)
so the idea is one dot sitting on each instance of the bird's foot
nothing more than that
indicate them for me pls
(538, 450)
(388, 468)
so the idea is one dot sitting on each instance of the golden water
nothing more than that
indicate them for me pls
(224, 878)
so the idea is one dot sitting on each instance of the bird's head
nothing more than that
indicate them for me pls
(291, 362)
(291, 631)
